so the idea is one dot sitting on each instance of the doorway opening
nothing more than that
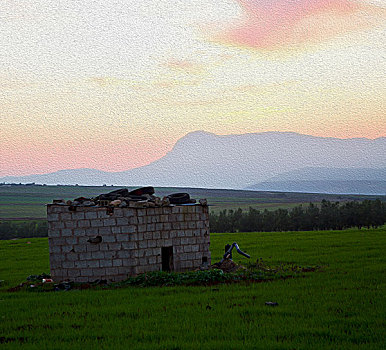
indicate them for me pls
(167, 258)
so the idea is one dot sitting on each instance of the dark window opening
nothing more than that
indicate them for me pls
(167, 258)
(204, 259)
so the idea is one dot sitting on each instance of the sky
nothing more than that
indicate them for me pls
(112, 85)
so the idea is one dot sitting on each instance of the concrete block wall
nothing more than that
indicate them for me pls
(131, 240)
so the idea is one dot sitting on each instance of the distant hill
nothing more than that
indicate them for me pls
(202, 159)
(327, 180)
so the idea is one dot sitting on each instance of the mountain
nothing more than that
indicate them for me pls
(327, 180)
(202, 159)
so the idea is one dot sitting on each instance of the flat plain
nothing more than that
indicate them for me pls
(340, 306)
(28, 201)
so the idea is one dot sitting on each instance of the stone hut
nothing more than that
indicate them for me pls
(91, 243)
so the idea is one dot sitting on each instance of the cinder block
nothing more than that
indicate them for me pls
(77, 215)
(184, 240)
(156, 235)
(129, 229)
(133, 220)
(68, 264)
(97, 223)
(142, 244)
(176, 226)
(80, 264)
(151, 243)
(111, 271)
(141, 212)
(110, 255)
(176, 241)
(52, 217)
(150, 227)
(116, 229)
(141, 220)
(195, 248)
(90, 215)
(92, 263)
(187, 248)
(86, 272)
(109, 239)
(167, 210)
(66, 232)
(104, 230)
(188, 233)
(148, 235)
(92, 247)
(72, 256)
(157, 251)
(167, 226)
(98, 255)
(122, 237)
(155, 219)
(57, 225)
(122, 221)
(176, 210)
(192, 224)
(55, 249)
(164, 218)
(124, 254)
(197, 233)
(70, 224)
(73, 273)
(117, 262)
(152, 260)
(183, 225)
(102, 214)
(188, 264)
(106, 263)
(85, 256)
(118, 212)
(141, 228)
(67, 248)
(129, 245)
(150, 211)
(129, 262)
(83, 223)
(142, 261)
(110, 222)
(79, 232)
(181, 233)
(200, 224)
(178, 249)
(191, 240)
(115, 246)
(129, 212)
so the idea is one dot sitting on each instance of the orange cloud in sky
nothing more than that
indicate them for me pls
(269, 25)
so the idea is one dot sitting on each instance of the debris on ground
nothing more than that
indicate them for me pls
(142, 197)
(227, 265)
(271, 303)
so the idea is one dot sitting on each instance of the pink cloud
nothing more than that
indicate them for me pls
(270, 24)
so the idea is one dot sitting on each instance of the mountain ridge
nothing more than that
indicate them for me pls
(204, 159)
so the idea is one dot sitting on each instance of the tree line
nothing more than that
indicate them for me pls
(326, 216)
(23, 229)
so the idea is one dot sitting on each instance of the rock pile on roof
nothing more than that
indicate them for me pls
(139, 198)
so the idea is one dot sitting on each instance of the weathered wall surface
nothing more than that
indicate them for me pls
(131, 240)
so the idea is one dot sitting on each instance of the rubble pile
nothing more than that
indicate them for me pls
(227, 265)
(139, 198)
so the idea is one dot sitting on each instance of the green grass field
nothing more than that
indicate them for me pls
(341, 306)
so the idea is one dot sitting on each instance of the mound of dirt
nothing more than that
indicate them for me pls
(227, 266)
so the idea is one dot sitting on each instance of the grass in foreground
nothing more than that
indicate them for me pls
(341, 307)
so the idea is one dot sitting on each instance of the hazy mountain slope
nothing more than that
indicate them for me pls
(202, 159)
